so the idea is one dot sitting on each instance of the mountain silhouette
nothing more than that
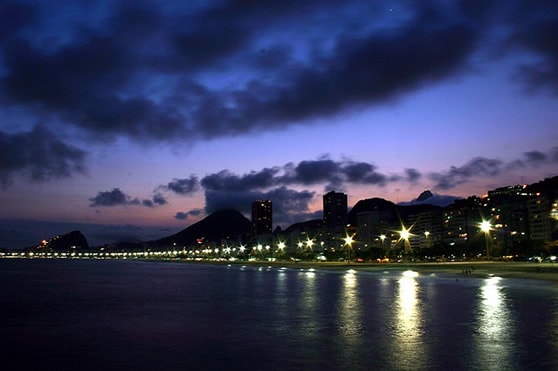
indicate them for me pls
(72, 241)
(388, 211)
(425, 196)
(226, 224)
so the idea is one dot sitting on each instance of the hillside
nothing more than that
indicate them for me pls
(223, 224)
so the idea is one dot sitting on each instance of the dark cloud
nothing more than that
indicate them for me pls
(185, 186)
(224, 180)
(478, 166)
(536, 156)
(157, 199)
(290, 206)
(332, 174)
(363, 173)
(116, 197)
(152, 72)
(183, 215)
(14, 17)
(485, 167)
(38, 155)
(112, 198)
(313, 172)
(535, 26)
(413, 175)
(239, 200)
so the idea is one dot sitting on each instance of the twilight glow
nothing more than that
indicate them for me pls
(132, 120)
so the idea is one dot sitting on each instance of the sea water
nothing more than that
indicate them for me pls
(118, 314)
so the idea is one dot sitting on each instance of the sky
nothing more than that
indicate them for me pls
(135, 119)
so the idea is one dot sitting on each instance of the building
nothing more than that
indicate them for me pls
(335, 209)
(262, 217)
(538, 211)
(461, 220)
(426, 228)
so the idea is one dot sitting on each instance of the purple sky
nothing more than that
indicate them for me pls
(133, 119)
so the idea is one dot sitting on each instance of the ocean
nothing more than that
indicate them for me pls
(122, 314)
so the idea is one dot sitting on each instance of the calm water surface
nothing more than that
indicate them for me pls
(101, 315)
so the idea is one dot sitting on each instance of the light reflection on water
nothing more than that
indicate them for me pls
(350, 315)
(179, 316)
(310, 326)
(408, 338)
(493, 328)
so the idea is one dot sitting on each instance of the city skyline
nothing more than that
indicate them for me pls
(261, 218)
(138, 119)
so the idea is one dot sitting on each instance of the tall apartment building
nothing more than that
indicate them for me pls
(426, 228)
(335, 209)
(262, 216)
(461, 220)
(538, 211)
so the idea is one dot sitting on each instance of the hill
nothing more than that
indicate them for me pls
(221, 225)
(72, 241)
(387, 210)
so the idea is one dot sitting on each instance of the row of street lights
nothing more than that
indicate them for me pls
(348, 241)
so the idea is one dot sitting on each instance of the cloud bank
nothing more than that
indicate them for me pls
(154, 72)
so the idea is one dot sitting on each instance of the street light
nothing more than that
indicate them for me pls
(485, 228)
(280, 248)
(349, 243)
(383, 239)
(426, 240)
(405, 234)
(309, 244)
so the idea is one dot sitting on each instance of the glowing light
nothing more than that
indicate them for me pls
(410, 274)
(404, 233)
(485, 226)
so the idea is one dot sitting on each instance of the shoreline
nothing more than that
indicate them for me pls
(517, 270)
(520, 270)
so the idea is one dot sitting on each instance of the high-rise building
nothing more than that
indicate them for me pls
(261, 216)
(335, 209)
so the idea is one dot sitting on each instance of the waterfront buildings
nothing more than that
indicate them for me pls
(335, 209)
(262, 217)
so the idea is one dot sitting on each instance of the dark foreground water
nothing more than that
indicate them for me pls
(71, 314)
